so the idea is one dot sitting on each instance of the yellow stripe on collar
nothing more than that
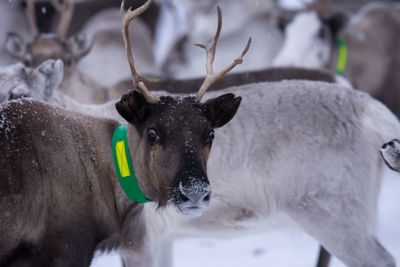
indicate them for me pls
(342, 55)
(123, 166)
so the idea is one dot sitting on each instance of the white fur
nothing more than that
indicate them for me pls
(309, 150)
(38, 83)
(302, 47)
(106, 62)
(241, 19)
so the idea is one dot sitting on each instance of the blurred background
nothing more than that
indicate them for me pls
(355, 41)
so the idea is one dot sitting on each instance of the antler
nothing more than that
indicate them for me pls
(30, 14)
(212, 77)
(66, 9)
(137, 79)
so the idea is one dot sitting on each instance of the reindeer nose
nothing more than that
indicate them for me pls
(198, 193)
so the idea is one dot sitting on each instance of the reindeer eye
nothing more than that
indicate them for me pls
(210, 137)
(152, 136)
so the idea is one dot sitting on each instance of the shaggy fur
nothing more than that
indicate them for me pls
(307, 149)
(59, 196)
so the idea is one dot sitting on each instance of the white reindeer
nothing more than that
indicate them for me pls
(363, 48)
(41, 83)
(307, 149)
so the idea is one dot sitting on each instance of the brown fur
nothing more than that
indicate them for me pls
(58, 192)
(373, 62)
(52, 205)
(235, 79)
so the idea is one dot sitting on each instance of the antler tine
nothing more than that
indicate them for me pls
(212, 77)
(30, 14)
(66, 9)
(137, 79)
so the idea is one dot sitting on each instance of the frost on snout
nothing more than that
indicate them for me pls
(193, 197)
(390, 152)
(192, 189)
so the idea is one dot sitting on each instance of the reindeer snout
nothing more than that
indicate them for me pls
(193, 197)
(196, 193)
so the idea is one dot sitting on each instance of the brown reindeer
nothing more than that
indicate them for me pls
(59, 197)
(57, 46)
(234, 79)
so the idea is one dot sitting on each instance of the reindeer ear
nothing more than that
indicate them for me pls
(80, 45)
(15, 46)
(133, 107)
(222, 109)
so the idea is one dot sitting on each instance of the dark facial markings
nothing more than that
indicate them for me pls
(176, 135)
(178, 122)
(180, 133)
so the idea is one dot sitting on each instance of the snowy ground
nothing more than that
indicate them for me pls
(281, 245)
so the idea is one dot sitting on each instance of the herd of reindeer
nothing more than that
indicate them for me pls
(293, 136)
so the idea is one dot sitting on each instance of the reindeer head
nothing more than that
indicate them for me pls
(170, 137)
(49, 46)
(17, 81)
(309, 36)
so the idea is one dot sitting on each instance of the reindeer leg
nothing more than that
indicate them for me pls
(324, 257)
(133, 258)
(346, 236)
(22, 256)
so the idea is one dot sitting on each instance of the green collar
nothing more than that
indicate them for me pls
(123, 165)
(342, 55)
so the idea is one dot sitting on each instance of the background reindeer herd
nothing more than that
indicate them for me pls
(301, 120)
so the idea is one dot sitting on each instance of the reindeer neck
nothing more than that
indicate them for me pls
(115, 211)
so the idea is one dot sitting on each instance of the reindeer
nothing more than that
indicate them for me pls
(181, 86)
(59, 207)
(361, 49)
(276, 165)
(17, 81)
(56, 46)
(306, 149)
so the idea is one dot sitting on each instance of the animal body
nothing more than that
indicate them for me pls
(370, 36)
(57, 46)
(306, 149)
(58, 209)
(40, 83)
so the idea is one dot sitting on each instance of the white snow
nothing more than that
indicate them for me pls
(281, 246)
